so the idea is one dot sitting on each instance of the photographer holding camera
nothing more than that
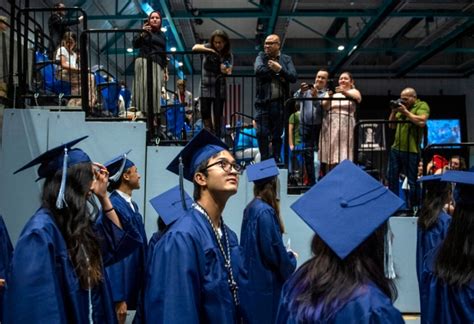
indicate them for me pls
(405, 151)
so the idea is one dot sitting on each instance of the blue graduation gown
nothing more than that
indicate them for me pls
(367, 305)
(126, 276)
(429, 239)
(188, 283)
(43, 286)
(443, 303)
(6, 250)
(267, 262)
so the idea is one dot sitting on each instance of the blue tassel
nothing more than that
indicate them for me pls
(60, 201)
(117, 175)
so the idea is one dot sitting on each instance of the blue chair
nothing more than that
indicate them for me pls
(108, 90)
(174, 118)
(46, 70)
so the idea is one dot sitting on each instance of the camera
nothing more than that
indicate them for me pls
(331, 85)
(394, 104)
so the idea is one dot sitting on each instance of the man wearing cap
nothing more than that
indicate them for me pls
(345, 281)
(274, 71)
(198, 267)
(405, 151)
(126, 276)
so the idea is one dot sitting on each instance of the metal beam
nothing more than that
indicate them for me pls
(330, 39)
(438, 46)
(231, 29)
(273, 17)
(387, 7)
(335, 27)
(174, 31)
(261, 13)
(405, 29)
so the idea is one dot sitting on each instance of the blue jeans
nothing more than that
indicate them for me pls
(269, 118)
(403, 162)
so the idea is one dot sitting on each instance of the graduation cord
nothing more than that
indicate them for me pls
(228, 265)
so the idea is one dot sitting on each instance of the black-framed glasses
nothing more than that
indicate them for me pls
(227, 166)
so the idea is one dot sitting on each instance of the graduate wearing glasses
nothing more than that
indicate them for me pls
(57, 270)
(196, 263)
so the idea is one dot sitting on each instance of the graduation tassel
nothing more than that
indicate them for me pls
(117, 175)
(60, 201)
(181, 184)
(388, 254)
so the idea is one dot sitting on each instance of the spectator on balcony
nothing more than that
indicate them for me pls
(274, 71)
(310, 120)
(183, 96)
(218, 62)
(152, 46)
(405, 151)
(69, 70)
(337, 141)
(58, 25)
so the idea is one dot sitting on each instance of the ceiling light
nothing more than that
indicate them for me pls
(180, 63)
(173, 49)
(340, 48)
(130, 50)
(164, 29)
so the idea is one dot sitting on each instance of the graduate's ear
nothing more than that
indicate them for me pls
(200, 178)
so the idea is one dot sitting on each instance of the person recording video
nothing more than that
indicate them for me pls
(405, 151)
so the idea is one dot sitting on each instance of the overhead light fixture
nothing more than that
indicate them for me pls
(173, 49)
(130, 50)
(355, 47)
(164, 29)
(340, 48)
(180, 63)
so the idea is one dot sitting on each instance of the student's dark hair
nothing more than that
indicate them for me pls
(437, 195)
(222, 34)
(329, 282)
(267, 192)
(454, 262)
(74, 221)
(58, 4)
(202, 169)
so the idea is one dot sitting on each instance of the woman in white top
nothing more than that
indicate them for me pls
(69, 70)
(338, 122)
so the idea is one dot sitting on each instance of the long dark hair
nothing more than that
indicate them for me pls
(267, 192)
(437, 195)
(455, 260)
(74, 221)
(222, 34)
(325, 283)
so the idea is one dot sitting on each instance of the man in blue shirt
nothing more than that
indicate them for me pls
(310, 119)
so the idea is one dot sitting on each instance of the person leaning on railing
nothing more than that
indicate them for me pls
(405, 151)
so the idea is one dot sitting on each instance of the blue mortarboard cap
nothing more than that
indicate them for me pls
(169, 206)
(118, 165)
(345, 207)
(464, 177)
(200, 148)
(262, 171)
(432, 177)
(53, 159)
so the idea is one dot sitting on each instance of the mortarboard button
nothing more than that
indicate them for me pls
(169, 206)
(262, 171)
(346, 207)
